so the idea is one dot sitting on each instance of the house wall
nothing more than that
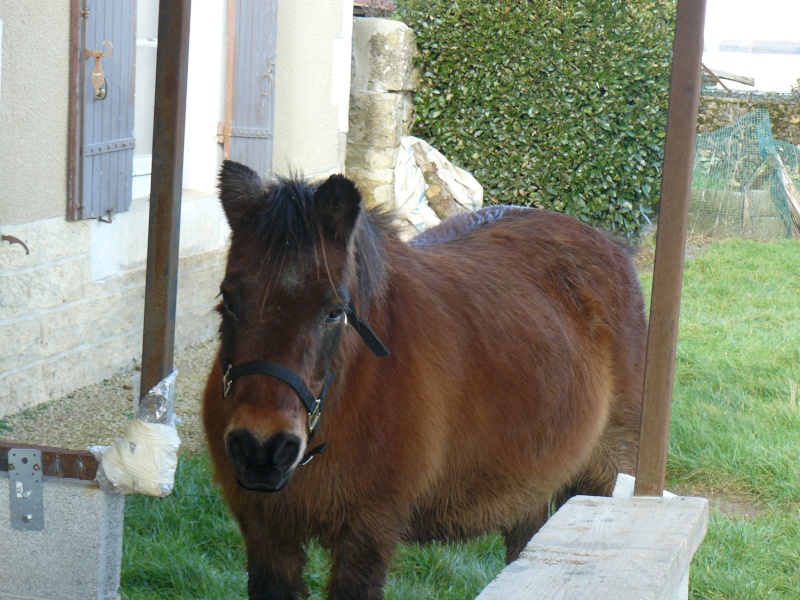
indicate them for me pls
(71, 311)
(313, 83)
(33, 110)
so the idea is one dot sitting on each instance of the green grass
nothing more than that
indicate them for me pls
(183, 546)
(735, 437)
(735, 431)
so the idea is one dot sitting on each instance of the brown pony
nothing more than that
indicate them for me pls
(458, 383)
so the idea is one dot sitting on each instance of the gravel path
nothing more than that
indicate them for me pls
(97, 414)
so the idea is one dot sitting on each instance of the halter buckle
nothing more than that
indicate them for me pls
(226, 381)
(313, 417)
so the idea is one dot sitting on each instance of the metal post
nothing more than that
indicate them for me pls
(158, 343)
(662, 338)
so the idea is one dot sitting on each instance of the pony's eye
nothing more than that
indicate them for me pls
(336, 315)
(229, 304)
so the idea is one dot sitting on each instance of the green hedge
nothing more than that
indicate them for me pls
(556, 104)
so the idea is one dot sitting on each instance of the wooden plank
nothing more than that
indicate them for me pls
(718, 74)
(621, 548)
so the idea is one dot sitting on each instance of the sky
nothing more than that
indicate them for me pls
(754, 20)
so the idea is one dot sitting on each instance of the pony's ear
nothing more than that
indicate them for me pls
(239, 188)
(338, 203)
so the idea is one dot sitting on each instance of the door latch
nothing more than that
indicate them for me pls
(98, 76)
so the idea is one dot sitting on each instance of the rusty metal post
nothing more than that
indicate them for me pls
(662, 338)
(169, 124)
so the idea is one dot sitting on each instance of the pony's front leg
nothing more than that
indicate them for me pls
(360, 563)
(275, 572)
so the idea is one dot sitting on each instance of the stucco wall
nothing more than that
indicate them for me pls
(312, 78)
(33, 110)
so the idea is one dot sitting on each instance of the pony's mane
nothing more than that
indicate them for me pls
(289, 228)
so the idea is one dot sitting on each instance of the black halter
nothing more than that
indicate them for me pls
(312, 404)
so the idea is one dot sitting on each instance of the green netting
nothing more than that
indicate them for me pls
(739, 182)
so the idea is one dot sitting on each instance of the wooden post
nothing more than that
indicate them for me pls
(158, 343)
(684, 101)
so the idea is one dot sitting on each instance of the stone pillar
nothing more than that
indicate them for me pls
(381, 104)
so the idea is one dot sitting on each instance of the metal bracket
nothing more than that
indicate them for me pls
(25, 489)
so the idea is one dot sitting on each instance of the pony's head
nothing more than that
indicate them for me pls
(294, 279)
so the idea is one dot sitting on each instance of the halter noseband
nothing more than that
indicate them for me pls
(312, 404)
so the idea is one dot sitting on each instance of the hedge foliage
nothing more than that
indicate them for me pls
(559, 104)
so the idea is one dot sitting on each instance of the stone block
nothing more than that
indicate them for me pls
(369, 157)
(92, 321)
(20, 342)
(26, 291)
(378, 119)
(47, 240)
(21, 389)
(383, 56)
(376, 187)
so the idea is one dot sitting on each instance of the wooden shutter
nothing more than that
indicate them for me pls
(246, 134)
(101, 125)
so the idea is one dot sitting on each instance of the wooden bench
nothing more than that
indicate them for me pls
(608, 548)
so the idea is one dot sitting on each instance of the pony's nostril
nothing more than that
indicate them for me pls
(241, 446)
(283, 450)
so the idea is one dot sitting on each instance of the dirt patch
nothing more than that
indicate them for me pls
(731, 504)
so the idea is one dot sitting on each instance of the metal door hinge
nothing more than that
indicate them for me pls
(25, 489)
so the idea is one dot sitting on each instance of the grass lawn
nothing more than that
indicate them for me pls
(735, 439)
(736, 416)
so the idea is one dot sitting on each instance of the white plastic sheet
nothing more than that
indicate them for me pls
(144, 460)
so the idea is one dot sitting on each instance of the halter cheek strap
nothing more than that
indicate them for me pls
(372, 341)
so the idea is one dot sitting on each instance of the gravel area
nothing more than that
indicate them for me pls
(97, 414)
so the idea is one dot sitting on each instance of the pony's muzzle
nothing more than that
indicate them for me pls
(263, 465)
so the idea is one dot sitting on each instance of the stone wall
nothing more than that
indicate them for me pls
(784, 114)
(381, 104)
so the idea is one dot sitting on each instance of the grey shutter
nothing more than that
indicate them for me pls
(102, 167)
(246, 134)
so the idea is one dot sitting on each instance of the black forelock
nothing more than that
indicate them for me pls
(287, 230)
(285, 224)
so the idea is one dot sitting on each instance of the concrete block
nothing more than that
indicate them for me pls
(608, 548)
(78, 554)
